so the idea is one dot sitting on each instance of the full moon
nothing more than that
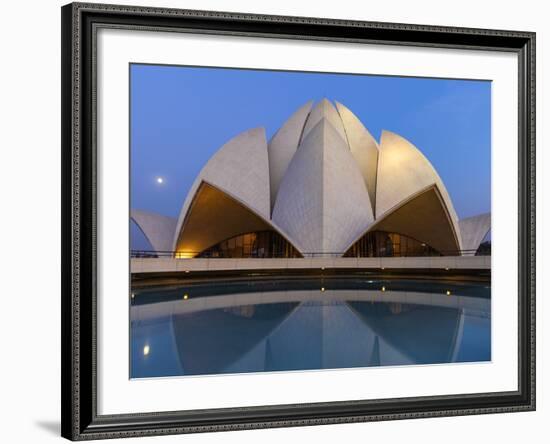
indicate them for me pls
(160, 180)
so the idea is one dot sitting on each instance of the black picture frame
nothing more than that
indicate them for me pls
(79, 171)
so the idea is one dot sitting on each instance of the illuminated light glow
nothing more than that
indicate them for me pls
(187, 271)
(146, 350)
(448, 292)
(160, 180)
(383, 288)
(133, 295)
(446, 269)
(185, 296)
(184, 255)
(322, 288)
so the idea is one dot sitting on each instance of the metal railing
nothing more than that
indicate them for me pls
(191, 254)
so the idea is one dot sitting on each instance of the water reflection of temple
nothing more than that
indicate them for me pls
(307, 329)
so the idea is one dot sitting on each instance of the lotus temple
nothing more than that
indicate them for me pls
(322, 187)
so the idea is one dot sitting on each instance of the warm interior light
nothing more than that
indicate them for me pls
(383, 288)
(185, 296)
(448, 292)
(322, 288)
(184, 255)
(146, 350)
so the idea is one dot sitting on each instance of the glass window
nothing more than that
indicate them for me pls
(381, 244)
(257, 244)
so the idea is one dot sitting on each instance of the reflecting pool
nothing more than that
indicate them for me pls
(257, 326)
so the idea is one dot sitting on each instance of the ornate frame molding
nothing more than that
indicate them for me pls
(80, 22)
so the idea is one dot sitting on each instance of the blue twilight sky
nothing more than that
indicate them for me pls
(181, 115)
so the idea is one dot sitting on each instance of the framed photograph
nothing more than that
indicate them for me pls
(281, 221)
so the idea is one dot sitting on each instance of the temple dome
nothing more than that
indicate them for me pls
(321, 184)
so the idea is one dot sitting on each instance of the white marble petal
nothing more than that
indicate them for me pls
(324, 110)
(363, 147)
(473, 230)
(323, 201)
(403, 171)
(282, 147)
(240, 168)
(159, 230)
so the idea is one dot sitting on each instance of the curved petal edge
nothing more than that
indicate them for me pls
(323, 200)
(239, 168)
(363, 147)
(473, 230)
(283, 146)
(403, 171)
(159, 230)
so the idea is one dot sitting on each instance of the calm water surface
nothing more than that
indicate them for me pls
(233, 327)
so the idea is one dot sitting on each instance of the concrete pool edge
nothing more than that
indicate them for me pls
(170, 264)
(151, 279)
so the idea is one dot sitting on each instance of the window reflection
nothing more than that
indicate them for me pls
(260, 244)
(384, 244)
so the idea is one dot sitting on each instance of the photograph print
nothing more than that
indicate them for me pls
(296, 221)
